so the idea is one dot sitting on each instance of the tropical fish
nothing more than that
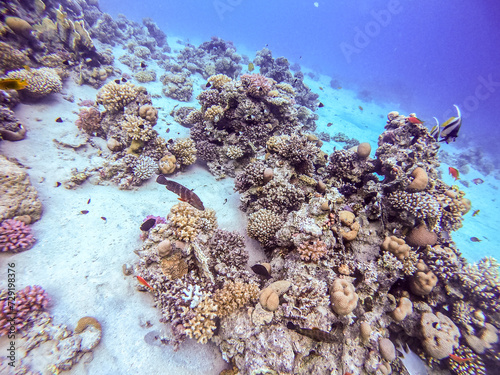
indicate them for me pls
(124, 79)
(88, 202)
(329, 124)
(251, 67)
(84, 212)
(183, 192)
(143, 65)
(59, 119)
(449, 133)
(414, 120)
(475, 239)
(320, 105)
(360, 108)
(321, 88)
(458, 359)
(144, 282)
(259, 269)
(148, 224)
(478, 181)
(12, 84)
(436, 130)
(454, 173)
(314, 333)
(117, 81)
(475, 213)
(208, 84)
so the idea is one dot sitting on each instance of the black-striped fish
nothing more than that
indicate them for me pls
(436, 130)
(314, 333)
(185, 195)
(450, 128)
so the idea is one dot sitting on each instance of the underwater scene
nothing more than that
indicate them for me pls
(229, 187)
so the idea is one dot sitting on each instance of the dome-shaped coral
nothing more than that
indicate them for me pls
(440, 333)
(114, 97)
(343, 297)
(40, 82)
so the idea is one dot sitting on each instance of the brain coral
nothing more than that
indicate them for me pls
(41, 81)
(114, 97)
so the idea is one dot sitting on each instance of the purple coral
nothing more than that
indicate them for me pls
(257, 85)
(14, 314)
(15, 236)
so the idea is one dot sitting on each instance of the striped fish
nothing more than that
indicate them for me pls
(436, 130)
(185, 195)
(450, 128)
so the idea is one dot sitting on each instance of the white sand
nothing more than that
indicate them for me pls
(78, 258)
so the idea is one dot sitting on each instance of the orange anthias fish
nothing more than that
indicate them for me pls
(458, 359)
(183, 192)
(12, 84)
(414, 120)
(144, 282)
(454, 173)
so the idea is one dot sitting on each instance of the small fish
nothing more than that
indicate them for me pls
(208, 84)
(143, 65)
(88, 202)
(360, 108)
(458, 359)
(225, 201)
(12, 84)
(436, 130)
(57, 184)
(148, 224)
(59, 119)
(168, 130)
(259, 269)
(475, 239)
(67, 62)
(117, 81)
(314, 333)
(449, 133)
(321, 88)
(144, 282)
(329, 124)
(124, 79)
(478, 181)
(103, 218)
(183, 192)
(251, 67)
(475, 213)
(321, 105)
(454, 173)
(27, 67)
(414, 120)
(84, 212)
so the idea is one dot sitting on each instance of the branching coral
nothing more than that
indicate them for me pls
(263, 224)
(137, 128)
(184, 150)
(233, 296)
(312, 250)
(114, 97)
(15, 236)
(145, 167)
(257, 86)
(89, 120)
(482, 282)
(202, 326)
(185, 222)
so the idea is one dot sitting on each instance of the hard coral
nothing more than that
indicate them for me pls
(145, 167)
(202, 326)
(89, 120)
(114, 97)
(343, 297)
(397, 246)
(263, 224)
(184, 150)
(420, 180)
(440, 335)
(15, 236)
(312, 250)
(423, 281)
(185, 222)
(257, 86)
(40, 82)
(11, 58)
(14, 316)
(233, 296)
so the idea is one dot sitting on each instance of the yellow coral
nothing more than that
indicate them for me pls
(184, 150)
(41, 81)
(186, 222)
(201, 327)
(214, 113)
(114, 97)
(219, 80)
(234, 152)
(137, 128)
(233, 296)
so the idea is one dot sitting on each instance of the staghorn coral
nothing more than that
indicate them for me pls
(233, 296)
(40, 82)
(114, 97)
(16, 315)
(15, 236)
(184, 150)
(312, 250)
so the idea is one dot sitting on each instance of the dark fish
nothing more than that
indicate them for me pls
(329, 124)
(475, 239)
(320, 105)
(124, 79)
(103, 218)
(57, 184)
(143, 65)
(117, 81)
(88, 202)
(360, 108)
(450, 128)
(84, 212)
(436, 130)
(259, 269)
(183, 192)
(148, 224)
(478, 181)
(314, 333)
(59, 119)
(168, 130)
(208, 84)
(475, 213)
(225, 201)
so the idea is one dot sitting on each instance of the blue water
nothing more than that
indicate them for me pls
(425, 56)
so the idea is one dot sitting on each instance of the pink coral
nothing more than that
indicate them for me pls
(257, 85)
(89, 120)
(15, 313)
(15, 236)
(312, 250)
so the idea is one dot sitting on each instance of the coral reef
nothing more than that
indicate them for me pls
(114, 97)
(15, 236)
(40, 82)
